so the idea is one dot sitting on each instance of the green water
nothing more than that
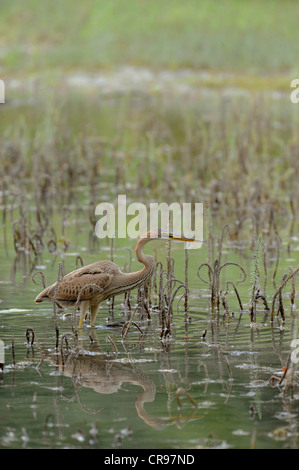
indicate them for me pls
(207, 385)
(186, 392)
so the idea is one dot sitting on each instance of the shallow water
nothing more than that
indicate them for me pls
(188, 391)
(206, 386)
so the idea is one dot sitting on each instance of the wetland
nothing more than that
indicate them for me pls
(211, 366)
(205, 355)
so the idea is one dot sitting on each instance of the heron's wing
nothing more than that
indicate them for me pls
(83, 287)
(99, 267)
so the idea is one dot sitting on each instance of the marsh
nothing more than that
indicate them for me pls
(173, 109)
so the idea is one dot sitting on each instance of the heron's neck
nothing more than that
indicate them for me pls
(142, 258)
(147, 260)
(140, 277)
(128, 281)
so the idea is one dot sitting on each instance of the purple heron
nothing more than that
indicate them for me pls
(92, 284)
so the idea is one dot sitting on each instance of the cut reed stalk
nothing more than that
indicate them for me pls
(110, 340)
(186, 281)
(13, 350)
(65, 339)
(28, 331)
(181, 391)
(284, 281)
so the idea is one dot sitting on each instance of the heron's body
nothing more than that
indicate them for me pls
(92, 284)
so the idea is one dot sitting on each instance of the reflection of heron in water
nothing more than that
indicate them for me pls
(106, 377)
(92, 284)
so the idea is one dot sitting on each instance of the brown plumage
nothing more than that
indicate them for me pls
(92, 284)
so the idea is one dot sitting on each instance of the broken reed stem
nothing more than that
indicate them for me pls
(231, 263)
(277, 258)
(79, 260)
(214, 274)
(52, 246)
(167, 312)
(169, 271)
(293, 218)
(254, 279)
(48, 425)
(64, 338)
(149, 297)
(267, 309)
(186, 280)
(225, 228)
(158, 263)
(280, 305)
(161, 290)
(265, 264)
(128, 325)
(127, 303)
(286, 369)
(225, 304)
(236, 292)
(59, 279)
(181, 390)
(142, 295)
(228, 367)
(204, 367)
(41, 275)
(110, 340)
(210, 273)
(286, 278)
(173, 297)
(28, 331)
(293, 291)
(13, 350)
(161, 305)
(215, 287)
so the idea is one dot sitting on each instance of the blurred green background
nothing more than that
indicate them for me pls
(229, 35)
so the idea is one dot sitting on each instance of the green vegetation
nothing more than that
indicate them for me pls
(231, 35)
(161, 101)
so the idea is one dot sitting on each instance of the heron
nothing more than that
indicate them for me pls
(89, 286)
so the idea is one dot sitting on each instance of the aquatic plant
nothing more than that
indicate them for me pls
(214, 275)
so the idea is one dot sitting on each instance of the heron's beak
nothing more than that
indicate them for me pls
(172, 236)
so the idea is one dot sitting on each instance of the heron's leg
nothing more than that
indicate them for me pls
(93, 313)
(84, 304)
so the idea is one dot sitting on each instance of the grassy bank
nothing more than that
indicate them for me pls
(231, 35)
